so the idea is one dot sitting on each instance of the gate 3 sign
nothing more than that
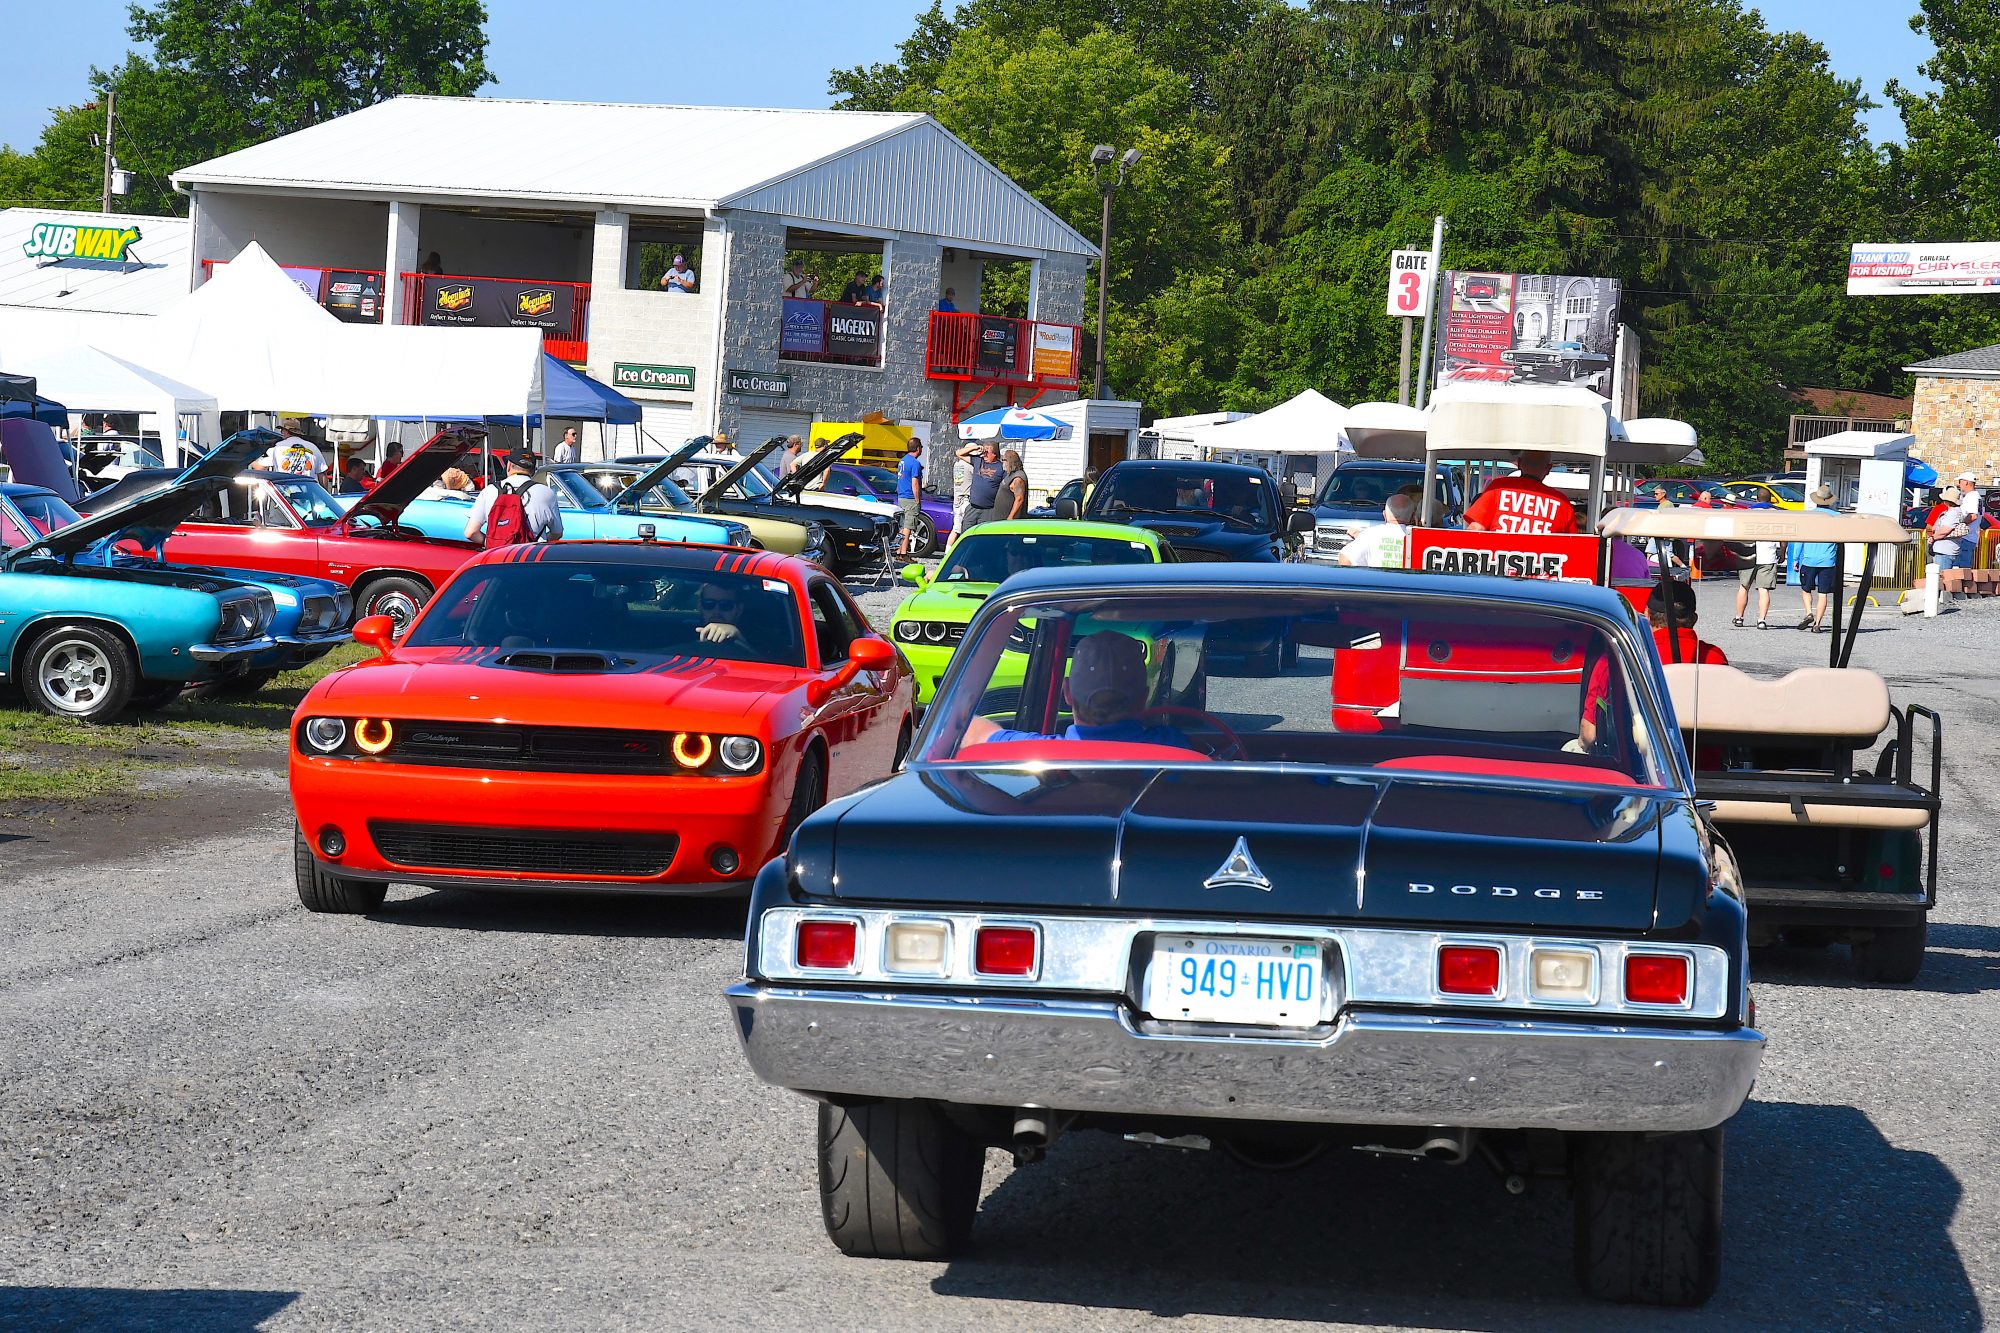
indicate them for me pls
(1565, 558)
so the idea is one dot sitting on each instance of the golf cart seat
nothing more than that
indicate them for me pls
(1844, 706)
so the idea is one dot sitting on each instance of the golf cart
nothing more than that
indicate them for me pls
(1830, 847)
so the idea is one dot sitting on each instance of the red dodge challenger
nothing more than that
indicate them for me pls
(603, 715)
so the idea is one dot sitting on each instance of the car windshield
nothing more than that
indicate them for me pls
(611, 483)
(1793, 493)
(621, 610)
(1238, 499)
(993, 557)
(44, 512)
(757, 482)
(1366, 485)
(310, 501)
(878, 479)
(1317, 677)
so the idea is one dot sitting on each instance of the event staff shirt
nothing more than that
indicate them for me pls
(1522, 504)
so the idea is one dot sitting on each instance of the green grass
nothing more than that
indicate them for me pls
(43, 757)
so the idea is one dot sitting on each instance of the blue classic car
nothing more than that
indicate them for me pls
(587, 514)
(90, 625)
(1440, 889)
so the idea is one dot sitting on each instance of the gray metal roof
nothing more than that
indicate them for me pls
(854, 168)
(1978, 363)
(155, 280)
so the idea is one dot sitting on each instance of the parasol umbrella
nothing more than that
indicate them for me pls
(1013, 423)
(1917, 472)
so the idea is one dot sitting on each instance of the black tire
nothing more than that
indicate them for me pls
(897, 1180)
(808, 795)
(1648, 1216)
(395, 597)
(1892, 954)
(149, 696)
(323, 891)
(1288, 654)
(903, 744)
(924, 540)
(82, 672)
(1267, 662)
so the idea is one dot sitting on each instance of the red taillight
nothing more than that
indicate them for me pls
(826, 944)
(1465, 969)
(1656, 978)
(1004, 951)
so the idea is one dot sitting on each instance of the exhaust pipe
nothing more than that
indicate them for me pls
(1446, 1144)
(1031, 1137)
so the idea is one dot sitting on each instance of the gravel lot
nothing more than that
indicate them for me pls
(218, 1112)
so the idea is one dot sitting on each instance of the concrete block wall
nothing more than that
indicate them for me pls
(1957, 425)
(654, 327)
(317, 233)
(1060, 297)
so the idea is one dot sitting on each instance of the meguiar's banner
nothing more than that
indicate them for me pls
(1568, 558)
(498, 303)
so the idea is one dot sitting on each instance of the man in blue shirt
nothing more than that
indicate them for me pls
(909, 494)
(1106, 690)
(948, 304)
(1819, 568)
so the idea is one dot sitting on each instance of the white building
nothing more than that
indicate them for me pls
(564, 215)
(77, 277)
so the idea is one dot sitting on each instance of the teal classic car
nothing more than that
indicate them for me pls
(587, 513)
(931, 622)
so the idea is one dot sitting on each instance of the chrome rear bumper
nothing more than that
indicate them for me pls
(1372, 1068)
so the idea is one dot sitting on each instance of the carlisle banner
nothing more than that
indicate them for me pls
(498, 303)
(1565, 559)
(1924, 270)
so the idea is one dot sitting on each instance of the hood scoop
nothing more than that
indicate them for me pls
(522, 659)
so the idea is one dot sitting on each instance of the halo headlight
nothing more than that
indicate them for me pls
(909, 631)
(739, 753)
(325, 734)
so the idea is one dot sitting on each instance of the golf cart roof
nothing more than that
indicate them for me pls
(1386, 430)
(1754, 525)
(1496, 422)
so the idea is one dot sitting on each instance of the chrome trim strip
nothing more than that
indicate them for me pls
(1377, 965)
(229, 652)
(1369, 1068)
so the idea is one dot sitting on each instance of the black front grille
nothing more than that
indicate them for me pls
(1194, 555)
(558, 749)
(525, 851)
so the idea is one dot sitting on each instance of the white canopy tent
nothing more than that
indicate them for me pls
(259, 344)
(1305, 424)
(89, 379)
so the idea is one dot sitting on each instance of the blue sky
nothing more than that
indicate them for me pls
(752, 52)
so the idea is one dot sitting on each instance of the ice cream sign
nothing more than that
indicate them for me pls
(56, 241)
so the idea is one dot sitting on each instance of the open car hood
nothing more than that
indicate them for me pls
(795, 482)
(157, 512)
(729, 478)
(420, 470)
(636, 489)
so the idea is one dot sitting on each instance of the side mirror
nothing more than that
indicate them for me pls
(1300, 521)
(912, 574)
(862, 655)
(1067, 509)
(377, 632)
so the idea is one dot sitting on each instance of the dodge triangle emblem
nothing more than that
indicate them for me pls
(1239, 871)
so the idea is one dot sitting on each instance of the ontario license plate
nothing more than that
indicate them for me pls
(1234, 979)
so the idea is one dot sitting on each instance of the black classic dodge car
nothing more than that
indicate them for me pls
(1439, 889)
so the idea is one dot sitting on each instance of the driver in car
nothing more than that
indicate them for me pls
(721, 619)
(1106, 690)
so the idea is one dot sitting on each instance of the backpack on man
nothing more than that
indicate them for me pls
(507, 520)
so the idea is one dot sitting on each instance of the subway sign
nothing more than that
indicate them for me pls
(672, 379)
(66, 240)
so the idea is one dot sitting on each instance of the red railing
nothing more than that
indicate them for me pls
(501, 302)
(993, 349)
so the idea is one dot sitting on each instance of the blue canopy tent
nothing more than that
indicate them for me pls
(567, 394)
(19, 399)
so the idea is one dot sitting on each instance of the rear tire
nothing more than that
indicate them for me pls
(149, 696)
(808, 795)
(397, 598)
(82, 672)
(1892, 954)
(323, 891)
(1648, 1216)
(923, 540)
(897, 1180)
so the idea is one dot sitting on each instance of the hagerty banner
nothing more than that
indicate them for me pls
(498, 303)
(1923, 270)
(1529, 328)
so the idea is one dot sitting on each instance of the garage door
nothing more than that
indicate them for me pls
(754, 425)
(667, 426)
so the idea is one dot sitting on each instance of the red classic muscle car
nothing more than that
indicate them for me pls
(290, 525)
(610, 715)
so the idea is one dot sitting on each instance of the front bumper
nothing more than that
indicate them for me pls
(928, 662)
(296, 650)
(241, 651)
(1373, 1068)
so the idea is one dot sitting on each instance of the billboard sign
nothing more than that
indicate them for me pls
(1924, 270)
(1529, 328)
(999, 343)
(498, 303)
(53, 242)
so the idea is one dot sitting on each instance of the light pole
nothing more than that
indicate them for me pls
(1100, 158)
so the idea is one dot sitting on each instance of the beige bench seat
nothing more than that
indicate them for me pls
(1802, 813)
(1838, 704)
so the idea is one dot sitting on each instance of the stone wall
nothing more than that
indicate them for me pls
(1957, 425)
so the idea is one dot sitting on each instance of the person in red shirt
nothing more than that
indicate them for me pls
(1679, 645)
(1523, 503)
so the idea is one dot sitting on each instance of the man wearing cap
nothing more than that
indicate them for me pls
(1972, 507)
(679, 278)
(543, 520)
(1819, 567)
(1106, 690)
(294, 453)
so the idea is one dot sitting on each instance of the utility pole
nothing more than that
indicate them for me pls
(1437, 297)
(110, 121)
